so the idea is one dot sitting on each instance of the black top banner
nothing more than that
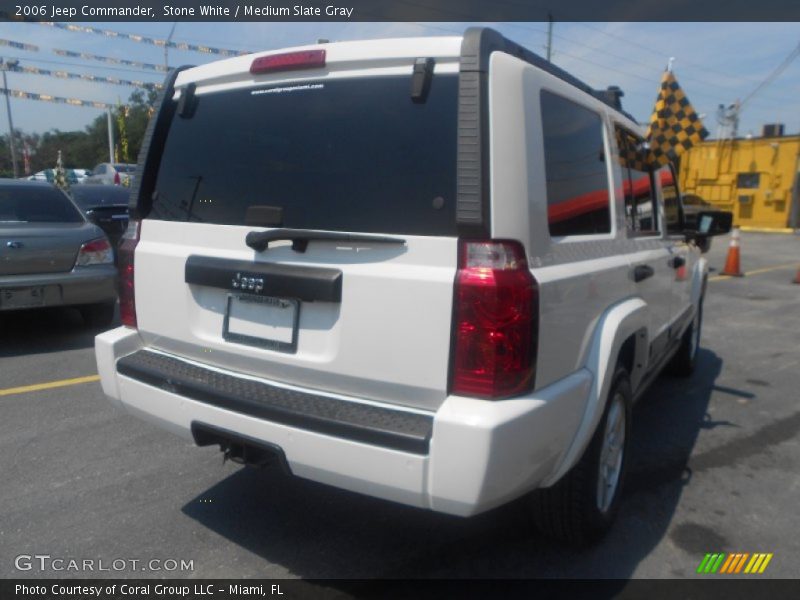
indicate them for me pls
(400, 10)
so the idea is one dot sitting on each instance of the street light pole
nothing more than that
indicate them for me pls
(5, 66)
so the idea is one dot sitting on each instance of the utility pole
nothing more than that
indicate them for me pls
(110, 137)
(549, 36)
(5, 66)
(166, 46)
(728, 119)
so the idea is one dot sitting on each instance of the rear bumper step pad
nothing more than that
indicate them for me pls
(395, 429)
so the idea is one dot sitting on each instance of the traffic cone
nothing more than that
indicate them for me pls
(797, 276)
(732, 267)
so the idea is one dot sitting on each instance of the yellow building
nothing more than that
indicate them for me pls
(757, 179)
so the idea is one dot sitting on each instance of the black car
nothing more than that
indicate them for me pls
(105, 206)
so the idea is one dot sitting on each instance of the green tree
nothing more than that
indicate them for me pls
(80, 149)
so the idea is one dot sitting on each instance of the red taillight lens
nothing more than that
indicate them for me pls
(96, 252)
(496, 321)
(127, 296)
(291, 61)
(116, 179)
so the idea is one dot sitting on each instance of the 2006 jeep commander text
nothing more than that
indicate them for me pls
(428, 270)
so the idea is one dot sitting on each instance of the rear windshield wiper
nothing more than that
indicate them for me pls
(259, 240)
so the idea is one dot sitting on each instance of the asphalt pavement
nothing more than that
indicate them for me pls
(714, 468)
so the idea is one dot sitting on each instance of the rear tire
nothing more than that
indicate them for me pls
(581, 507)
(683, 363)
(98, 316)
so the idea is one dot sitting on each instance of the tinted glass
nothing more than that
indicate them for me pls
(125, 168)
(577, 180)
(87, 196)
(641, 207)
(36, 204)
(672, 201)
(344, 155)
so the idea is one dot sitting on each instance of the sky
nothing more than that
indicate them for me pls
(715, 63)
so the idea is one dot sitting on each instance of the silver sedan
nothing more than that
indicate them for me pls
(50, 255)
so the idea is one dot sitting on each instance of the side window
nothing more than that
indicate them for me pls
(672, 201)
(99, 169)
(641, 208)
(575, 167)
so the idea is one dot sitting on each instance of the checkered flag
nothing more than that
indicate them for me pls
(632, 153)
(674, 124)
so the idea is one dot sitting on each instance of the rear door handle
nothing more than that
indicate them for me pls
(676, 262)
(642, 272)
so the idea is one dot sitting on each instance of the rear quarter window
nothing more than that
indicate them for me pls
(575, 167)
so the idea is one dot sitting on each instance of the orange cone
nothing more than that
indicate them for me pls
(797, 277)
(732, 267)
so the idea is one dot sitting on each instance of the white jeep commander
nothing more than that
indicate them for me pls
(428, 270)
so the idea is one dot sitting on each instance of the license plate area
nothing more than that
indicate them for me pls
(27, 297)
(263, 321)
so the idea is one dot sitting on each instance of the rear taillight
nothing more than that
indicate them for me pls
(496, 321)
(125, 254)
(95, 252)
(117, 179)
(291, 61)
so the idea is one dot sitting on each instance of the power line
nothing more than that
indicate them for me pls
(649, 67)
(19, 45)
(428, 26)
(602, 52)
(661, 54)
(772, 76)
(85, 77)
(110, 59)
(58, 99)
(72, 64)
(143, 39)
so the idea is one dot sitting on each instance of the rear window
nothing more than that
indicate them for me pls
(344, 155)
(36, 204)
(125, 168)
(89, 196)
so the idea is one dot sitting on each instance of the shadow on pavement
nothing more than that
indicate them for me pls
(45, 330)
(315, 531)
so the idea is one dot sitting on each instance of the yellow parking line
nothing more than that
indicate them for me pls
(755, 271)
(23, 389)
